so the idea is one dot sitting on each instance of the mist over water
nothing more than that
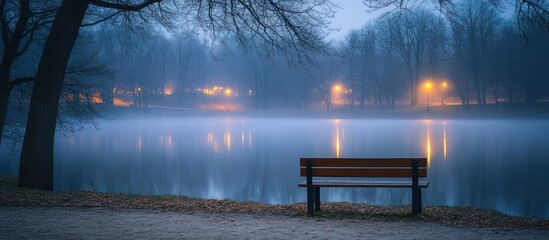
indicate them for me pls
(497, 164)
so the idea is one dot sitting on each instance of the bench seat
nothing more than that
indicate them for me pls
(351, 183)
(363, 172)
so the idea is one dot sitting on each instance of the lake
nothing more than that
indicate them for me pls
(496, 164)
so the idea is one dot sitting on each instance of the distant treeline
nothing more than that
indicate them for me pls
(471, 56)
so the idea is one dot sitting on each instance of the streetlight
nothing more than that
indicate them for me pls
(444, 87)
(428, 86)
(335, 94)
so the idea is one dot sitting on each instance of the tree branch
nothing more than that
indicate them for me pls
(124, 7)
(4, 24)
(19, 81)
(101, 20)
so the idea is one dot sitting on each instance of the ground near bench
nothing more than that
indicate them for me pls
(102, 223)
(38, 214)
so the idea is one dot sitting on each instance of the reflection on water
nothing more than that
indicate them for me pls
(428, 147)
(444, 138)
(227, 140)
(337, 140)
(500, 164)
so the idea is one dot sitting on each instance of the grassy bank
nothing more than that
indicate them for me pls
(10, 195)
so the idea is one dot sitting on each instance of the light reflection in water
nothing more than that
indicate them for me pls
(337, 141)
(250, 137)
(242, 132)
(170, 143)
(227, 140)
(337, 138)
(444, 138)
(266, 172)
(139, 142)
(222, 141)
(428, 147)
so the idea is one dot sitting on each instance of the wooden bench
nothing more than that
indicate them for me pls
(402, 168)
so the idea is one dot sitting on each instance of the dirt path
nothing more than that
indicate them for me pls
(94, 223)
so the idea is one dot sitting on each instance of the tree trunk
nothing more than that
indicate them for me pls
(5, 68)
(36, 166)
(477, 86)
(4, 100)
(413, 87)
(414, 93)
(4, 91)
(8, 58)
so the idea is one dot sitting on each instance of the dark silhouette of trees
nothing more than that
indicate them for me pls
(473, 26)
(22, 22)
(413, 35)
(383, 60)
(292, 28)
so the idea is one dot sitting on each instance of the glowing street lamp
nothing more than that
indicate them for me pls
(444, 87)
(428, 86)
(335, 94)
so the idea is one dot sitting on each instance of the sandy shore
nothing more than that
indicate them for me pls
(101, 223)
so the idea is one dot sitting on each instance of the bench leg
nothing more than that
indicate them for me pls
(317, 198)
(420, 204)
(310, 200)
(310, 189)
(416, 200)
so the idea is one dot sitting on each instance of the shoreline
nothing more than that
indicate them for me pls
(446, 112)
(11, 196)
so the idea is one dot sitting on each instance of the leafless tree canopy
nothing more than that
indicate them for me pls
(526, 10)
(293, 28)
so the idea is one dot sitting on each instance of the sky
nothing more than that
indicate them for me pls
(352, 15)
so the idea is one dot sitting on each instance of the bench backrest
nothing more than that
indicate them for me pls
(364, 167)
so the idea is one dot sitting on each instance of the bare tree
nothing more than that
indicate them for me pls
(526, 11)
(189, 60)
(473, 26)
(21, 24)
(531, 11)
(351, 53)
(368, 42)
(532, 59)
(294, 28)
(411, 33)
(328, 74)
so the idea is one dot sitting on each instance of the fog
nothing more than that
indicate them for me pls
(496, 164)
(388, 62)
(381, 64)
(219, 109)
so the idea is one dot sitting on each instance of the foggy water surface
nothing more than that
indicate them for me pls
(500, 164)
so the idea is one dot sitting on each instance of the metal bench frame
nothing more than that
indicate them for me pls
(413, 168)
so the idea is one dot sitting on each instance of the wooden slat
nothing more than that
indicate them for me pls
(387, 184)
(363, 162)
(361, 172)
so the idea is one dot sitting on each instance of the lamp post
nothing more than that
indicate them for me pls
(428, 86)
(444, 87)
(336, 89)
